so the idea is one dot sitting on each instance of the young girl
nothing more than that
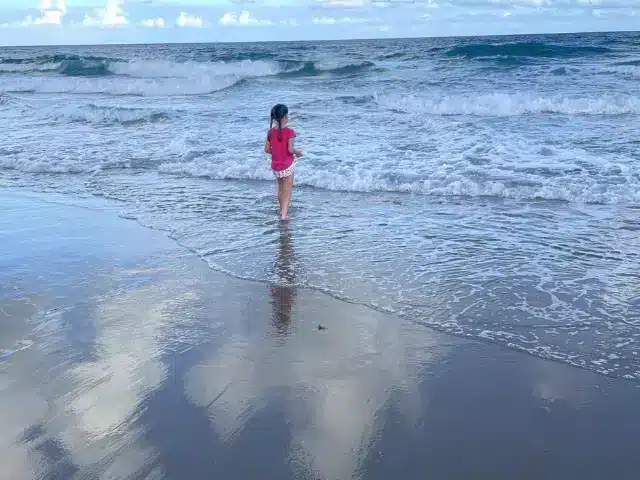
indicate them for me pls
(280, 144)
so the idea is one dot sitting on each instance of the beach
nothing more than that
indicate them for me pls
(124, 355)
(455, 295)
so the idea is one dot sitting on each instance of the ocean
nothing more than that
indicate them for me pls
(483, 187)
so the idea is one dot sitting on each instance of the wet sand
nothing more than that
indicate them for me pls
(124, 356)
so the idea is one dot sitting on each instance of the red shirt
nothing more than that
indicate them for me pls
(281, 159)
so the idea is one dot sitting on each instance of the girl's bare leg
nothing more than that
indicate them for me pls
(287, 186)
(291, 189)
(281, 189)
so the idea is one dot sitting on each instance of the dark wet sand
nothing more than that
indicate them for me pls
(124, 357)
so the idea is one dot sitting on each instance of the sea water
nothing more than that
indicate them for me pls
(485, 187)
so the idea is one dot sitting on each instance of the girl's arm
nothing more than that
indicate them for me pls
(267, 143)
(292, 150)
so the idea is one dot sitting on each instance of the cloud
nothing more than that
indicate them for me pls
(231, 18)
(343, 20)
(186, 20)
(514, 3)
(111, 15)
(53, 21)
(51, 13)
(154, 23)
(344, 3)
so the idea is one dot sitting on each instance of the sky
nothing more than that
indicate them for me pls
(68, 22)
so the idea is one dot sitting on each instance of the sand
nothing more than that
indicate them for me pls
(124, 356)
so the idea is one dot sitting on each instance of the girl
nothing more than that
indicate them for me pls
(280, 144)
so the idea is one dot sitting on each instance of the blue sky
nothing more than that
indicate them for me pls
(28, 22)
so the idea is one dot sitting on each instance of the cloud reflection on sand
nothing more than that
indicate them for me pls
(90, 407)
(335, 383)
(106, 393)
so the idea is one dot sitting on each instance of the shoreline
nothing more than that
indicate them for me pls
(111, 205)
(144, 362)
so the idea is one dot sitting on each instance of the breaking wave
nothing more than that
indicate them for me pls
(95, 75)
(511, 104)
(310, 69)
(249, 65)
(94, 114)
(568, 187)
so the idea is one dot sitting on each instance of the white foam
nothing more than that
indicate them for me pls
(508, 104)
(119, 86)
(225, 171)
(28, 67)
(439, 183)
(45, 165)
(100, 115)
(146, 78)
(168, 69)
(628, 70)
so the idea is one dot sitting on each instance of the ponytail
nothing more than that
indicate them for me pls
(271, 118)
(278, 112)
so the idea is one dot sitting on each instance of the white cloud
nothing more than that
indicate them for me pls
(152, 20)
(189, 21)
(111, 15)
(154, 23)
(51, 13)
(344, 3)
(524, 3)
(334, 21)
(325, 21)
(508, 3)
(229, 19)
(232, 18)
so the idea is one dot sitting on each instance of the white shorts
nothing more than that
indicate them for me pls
(286, 172)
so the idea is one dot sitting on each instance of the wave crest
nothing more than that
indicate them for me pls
(459, 183)
(139, 77)
(153, 77)
(95, 114)
(241, 66)
(511, 104)
(312, 69)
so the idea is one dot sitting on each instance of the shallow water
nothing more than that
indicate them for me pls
(486, 187)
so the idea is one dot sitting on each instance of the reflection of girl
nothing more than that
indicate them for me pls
(280, 144)
(282, 296)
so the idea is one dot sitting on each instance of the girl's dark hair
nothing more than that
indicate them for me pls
(278, 112)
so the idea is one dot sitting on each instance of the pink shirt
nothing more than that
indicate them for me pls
(281, 159)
